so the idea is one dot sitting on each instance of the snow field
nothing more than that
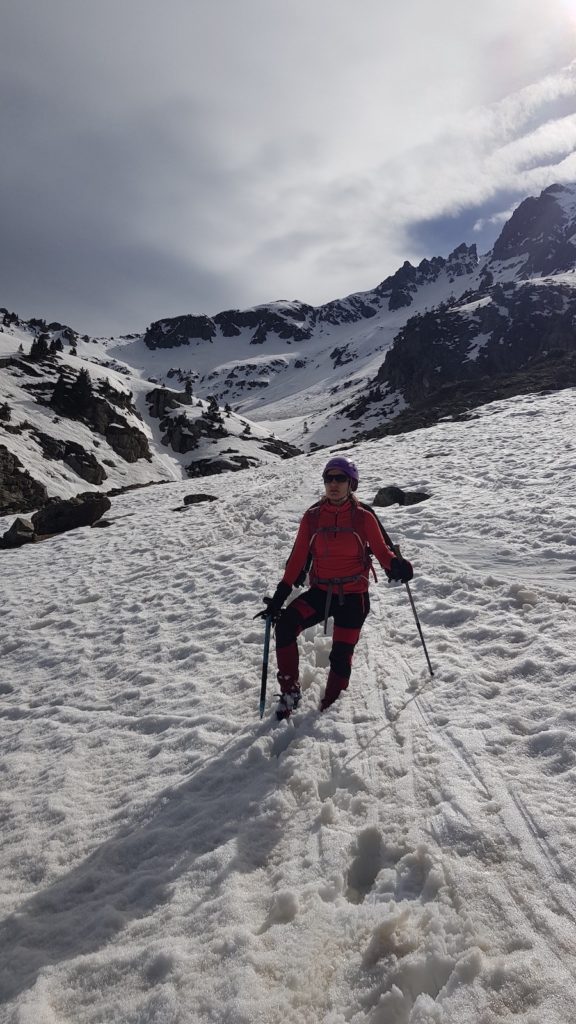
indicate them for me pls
(406, 858)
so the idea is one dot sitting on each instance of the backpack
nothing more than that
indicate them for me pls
(313, 514)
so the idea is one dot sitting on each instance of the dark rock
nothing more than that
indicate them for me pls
(341, 355)
(212, 467)
(289, 321)
(399, 299)
(282, 448)
(84, 464)
(73, 455)
(58, 516)
(414, 497)
(161, 401)
(193, 499)
(19, 492)
(179, 330)
(128, 442)
(349, 310)
(389, 496)
(393, 495)
(5, 412)
(21, 532)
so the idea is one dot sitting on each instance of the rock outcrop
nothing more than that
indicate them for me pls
(291, 321)
(72, 454)
(74, 398)
(19, 492)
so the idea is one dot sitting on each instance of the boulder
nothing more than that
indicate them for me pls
(58, 516)
(21, 532)
(393, 495)
(389, 496)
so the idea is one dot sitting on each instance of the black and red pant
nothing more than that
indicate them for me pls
(348, 612)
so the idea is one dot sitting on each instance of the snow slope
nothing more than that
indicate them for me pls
(407, 858)
(231, 439)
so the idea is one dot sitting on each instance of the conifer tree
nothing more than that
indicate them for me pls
(82, 389)
(60, 393)
(39, 349)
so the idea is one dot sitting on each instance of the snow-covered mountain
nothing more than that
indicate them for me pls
(248, 386)
(332, 373)
(294, 367)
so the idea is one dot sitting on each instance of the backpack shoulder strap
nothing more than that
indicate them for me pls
(368, 508)
(312, 514)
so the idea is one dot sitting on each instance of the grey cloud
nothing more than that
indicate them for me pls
(193, 157)
(93, 227)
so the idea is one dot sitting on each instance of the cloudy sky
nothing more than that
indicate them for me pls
(183, 156)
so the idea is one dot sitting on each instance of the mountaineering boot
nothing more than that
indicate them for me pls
(287, 703)
(334, 686)
(289, 698)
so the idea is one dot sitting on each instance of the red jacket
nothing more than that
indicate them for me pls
(337, 555)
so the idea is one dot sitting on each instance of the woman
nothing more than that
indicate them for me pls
(334, 541)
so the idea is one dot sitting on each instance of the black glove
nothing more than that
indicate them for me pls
(400, 570)
(274, 604)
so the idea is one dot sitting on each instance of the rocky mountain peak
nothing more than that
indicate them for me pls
(542, 233)
(401, 287)
(462, 260)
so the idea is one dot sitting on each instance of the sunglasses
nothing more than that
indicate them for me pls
(339, 478)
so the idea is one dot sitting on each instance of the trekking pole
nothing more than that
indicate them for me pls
(265, 665)
(396, 549)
